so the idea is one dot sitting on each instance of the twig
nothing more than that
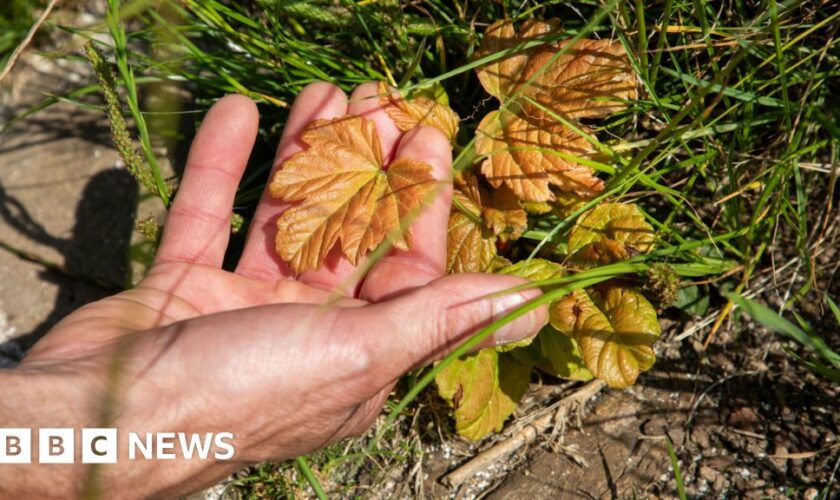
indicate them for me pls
(522, 438)
(26, 41)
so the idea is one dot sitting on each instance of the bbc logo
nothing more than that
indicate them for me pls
(57, 446)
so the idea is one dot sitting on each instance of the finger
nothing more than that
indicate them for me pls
(198, 225)
(259, 259)
(425, 261)
(365, 102)
(426, 324)
(336, 273)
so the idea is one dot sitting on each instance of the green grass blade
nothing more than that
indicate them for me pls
(306, 471)
(675, 463)
(778, 324)
(834, 309)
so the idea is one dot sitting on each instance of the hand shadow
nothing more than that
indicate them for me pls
(96, 257)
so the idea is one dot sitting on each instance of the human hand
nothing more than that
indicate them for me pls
(259, 352)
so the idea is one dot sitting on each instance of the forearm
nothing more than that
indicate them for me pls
(41, 398)
(75, 395)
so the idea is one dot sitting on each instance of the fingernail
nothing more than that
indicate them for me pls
(522, 327)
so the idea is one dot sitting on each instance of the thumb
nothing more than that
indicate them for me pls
(429, 322)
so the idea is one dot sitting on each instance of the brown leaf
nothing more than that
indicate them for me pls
(505, 217)
(529, 156)
(471, 246)
(589, 79)
(343, 194)
(503, 76)
(419, 110)
(479, 219)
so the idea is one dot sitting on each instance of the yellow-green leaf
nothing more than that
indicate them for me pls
(610, 232)
(615, 327)
(567, 203)
(483, 389)
(534, 270)
(531, 270)
(562, 355)
(536, 207)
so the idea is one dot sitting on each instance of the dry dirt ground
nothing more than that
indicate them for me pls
(744, 420)
(63, 199)
(745, 423)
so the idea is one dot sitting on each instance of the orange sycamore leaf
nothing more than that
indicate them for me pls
(584, 79)
(502, 77)
(341, 194)
(480, 219)
(529, 156)
(419, 110)
(589, 79)
(525, 145)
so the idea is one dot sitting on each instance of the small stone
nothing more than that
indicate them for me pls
(708, 474)
(720, 483)
(700, 436)
(745, 418)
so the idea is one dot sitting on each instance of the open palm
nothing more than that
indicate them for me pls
(187, 280)
(303, 370)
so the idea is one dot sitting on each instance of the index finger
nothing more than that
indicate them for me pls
(259, 259)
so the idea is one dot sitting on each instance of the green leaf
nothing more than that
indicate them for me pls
(531, 270)
(816, 367)
(563, 356)
(534, 270)
(615, 327)
(530, 354)
(693, 299)
(483, 389)
(610, 232)
(566, 203)
(834, 309)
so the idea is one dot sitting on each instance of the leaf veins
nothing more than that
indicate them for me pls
(419, 110)
(614, 326)
(526, 148)
(609, 233)
(342, 194)
(478, 221)
(528, 156)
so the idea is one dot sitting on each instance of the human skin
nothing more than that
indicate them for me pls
(287, 363)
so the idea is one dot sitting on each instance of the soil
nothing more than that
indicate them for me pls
(745, 422)
(744, 419)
